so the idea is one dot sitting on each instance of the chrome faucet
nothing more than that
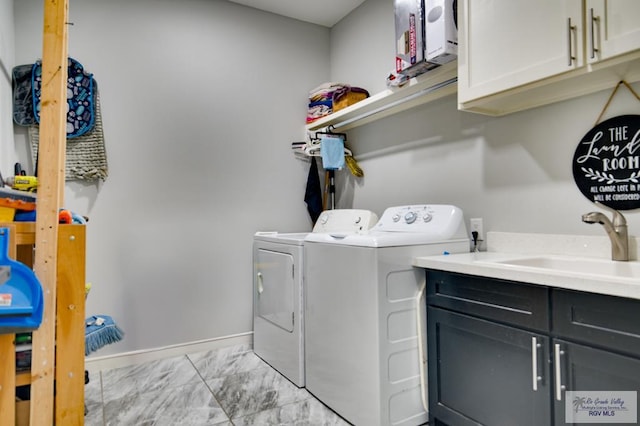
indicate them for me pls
(617, 231)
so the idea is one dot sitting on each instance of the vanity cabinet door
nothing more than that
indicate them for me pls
(583, 368)
(484, 373)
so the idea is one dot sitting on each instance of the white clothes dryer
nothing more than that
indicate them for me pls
(278, 297)
(364, 314)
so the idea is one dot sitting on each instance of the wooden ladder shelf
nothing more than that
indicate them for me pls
(69, 327)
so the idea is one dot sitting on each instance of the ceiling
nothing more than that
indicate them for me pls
(321, 12)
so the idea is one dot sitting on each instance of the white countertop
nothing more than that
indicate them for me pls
(504, 247)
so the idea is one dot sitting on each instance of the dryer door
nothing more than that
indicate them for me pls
(275, 288)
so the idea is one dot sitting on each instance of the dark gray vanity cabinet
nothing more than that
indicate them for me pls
(484, 372)
(505, 353)
(596, 345)
(584, 368)
(488, 351)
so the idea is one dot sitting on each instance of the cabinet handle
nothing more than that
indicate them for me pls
(260, 285)
(593, 20)
(535, 346)
(558, 371)
(570, 29)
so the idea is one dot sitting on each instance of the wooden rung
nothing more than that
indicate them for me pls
(23, 378)
(70, 328)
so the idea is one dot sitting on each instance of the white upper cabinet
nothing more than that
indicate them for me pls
(508, 43)
(613, 28)
(515, 55)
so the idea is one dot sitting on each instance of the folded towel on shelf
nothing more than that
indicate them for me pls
(331, 97)
(332, 152)
(321, 100)
(325, 91)
(348, 95)
(319, 109)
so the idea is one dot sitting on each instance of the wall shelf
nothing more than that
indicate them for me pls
(427, 87)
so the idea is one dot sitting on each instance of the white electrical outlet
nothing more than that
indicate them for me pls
(476, 225)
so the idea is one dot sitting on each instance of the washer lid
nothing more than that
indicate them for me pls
(296, 238)
(340, 220)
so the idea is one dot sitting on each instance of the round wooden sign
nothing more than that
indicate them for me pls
(606, 164)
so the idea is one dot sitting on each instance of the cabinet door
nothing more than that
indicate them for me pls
(504, 43)
(484, 373)
(613, 28)
(582, 368)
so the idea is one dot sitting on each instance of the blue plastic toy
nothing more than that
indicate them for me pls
(21, 300)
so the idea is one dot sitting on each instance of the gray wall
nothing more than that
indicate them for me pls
(7, 149)
(201, 100)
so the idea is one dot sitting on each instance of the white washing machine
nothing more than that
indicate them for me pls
(278, 301)
(363, 356)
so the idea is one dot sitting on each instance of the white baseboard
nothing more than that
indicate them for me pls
(107, 362)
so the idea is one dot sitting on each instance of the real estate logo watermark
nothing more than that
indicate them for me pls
(601, 407)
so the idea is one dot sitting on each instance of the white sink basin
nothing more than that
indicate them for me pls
(576, 265)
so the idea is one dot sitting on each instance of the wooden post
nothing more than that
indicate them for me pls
(69, 406)
(51, 153)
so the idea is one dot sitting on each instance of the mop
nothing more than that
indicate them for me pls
(101, 330)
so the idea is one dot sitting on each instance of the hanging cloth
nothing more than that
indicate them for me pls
(313, 193)
(80, 97)
(332, 151)
(22, 95)
(86, 155)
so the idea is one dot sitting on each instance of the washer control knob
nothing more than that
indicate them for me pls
(324, 218)
(427, 217)
(396, 217)
(359, 219)
(410, 217)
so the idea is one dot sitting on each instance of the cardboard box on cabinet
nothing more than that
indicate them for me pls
(441, 31)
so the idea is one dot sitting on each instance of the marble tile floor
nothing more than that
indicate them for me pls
(229, 386)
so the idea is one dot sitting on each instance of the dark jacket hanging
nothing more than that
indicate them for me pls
(313, 193)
